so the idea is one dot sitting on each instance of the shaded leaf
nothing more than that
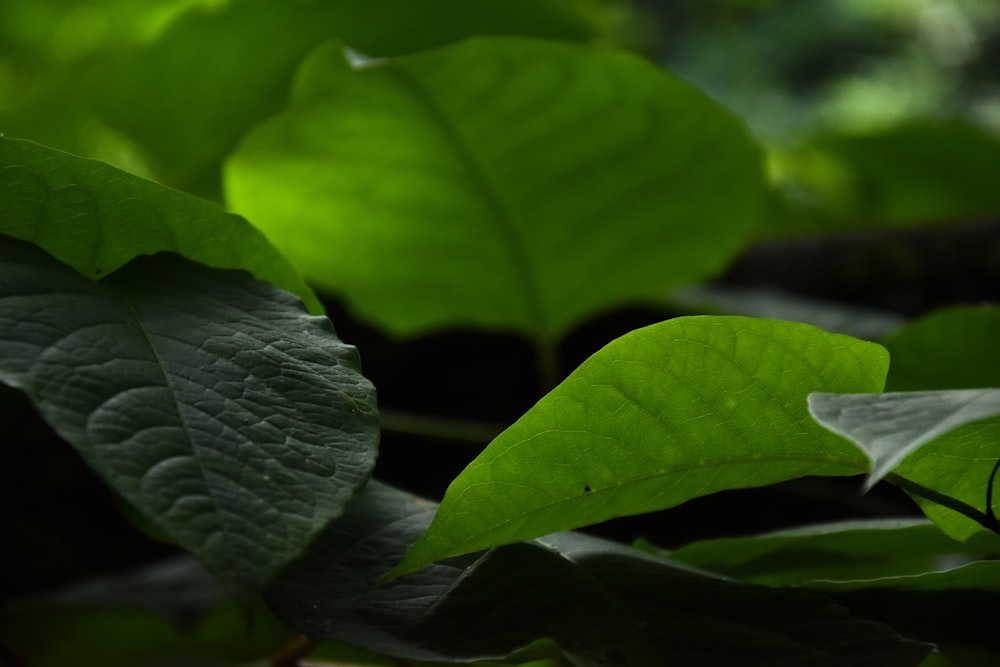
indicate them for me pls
(953, 608)
(843, 550)
(601, 603)
(239, 424)
(952, 348)
(889, 427)
(664, 414)
(96, 218)
(178, 589)
(506, 183)
(913, 173)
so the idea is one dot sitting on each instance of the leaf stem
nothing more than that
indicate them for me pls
(985, 519)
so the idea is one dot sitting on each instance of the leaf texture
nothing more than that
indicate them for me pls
(235, 421)
(664, 414)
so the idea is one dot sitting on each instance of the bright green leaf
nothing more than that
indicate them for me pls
(957, 484)
(664, 414)
(952, 348)
(96, 218)
(507, 183)
(889, 427)
(601, 603)
(842, 550)
(239, 424)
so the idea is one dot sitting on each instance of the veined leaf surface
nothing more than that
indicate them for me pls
(507, 183)
(239, 424)
(664, 414)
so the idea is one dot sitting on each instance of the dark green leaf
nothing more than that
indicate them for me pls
(833, 551)
(890, 427)
(96, 218)
(601, 603)
(505, 183)
(953, 348)
(913, 173)
(664, 414)
(214, 403)
(954, 607)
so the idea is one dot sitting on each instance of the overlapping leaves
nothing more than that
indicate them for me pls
(236, 422)
(505, 183)
(664, 414)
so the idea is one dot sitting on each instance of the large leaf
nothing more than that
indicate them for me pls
(96, 218)
(953, 348)
(890, 427)
(664, 414)
(239, 424)
(507, 183)
(845, 550)
(186, 98)
(600, 603)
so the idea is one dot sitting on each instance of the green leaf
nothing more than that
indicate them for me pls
(843, 550)
(952, 608)
(599, 602)
(952, 348)
(96, 218)
(239, 424)
(664, 414)
(506, 183)
(890, 427)
(913, 173)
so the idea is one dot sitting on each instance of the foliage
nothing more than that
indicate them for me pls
(527, 180)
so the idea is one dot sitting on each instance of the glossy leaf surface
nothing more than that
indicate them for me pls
(97, 218)
(505, 183)
(664, 414)
(600, 602)
(239, 424)
(890, 427)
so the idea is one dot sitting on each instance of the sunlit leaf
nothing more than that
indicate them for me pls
(96, 218)
(507, 183)
(664, 414)
(239, 424)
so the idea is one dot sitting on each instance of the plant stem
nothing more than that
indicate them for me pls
(984, 519)
(294, 651)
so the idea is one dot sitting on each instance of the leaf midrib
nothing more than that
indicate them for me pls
(500, 214)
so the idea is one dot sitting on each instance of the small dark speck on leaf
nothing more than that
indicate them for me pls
(586, 488)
